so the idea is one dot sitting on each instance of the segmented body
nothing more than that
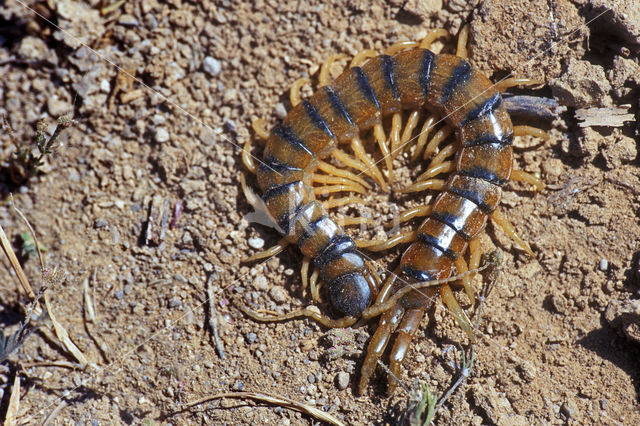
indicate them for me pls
(358, 99)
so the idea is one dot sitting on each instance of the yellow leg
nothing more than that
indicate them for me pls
(458, 313)
(445, 167)
(399, 46)
(412, 122)
(439, 136)
(382, 245)
(333, 180)
(419, 211)
(259, 126)
(378, 133)
(350, 221)
(522, 176)
(282, 244)
(247, 157)
(503, 85)
(304, 272)
(531, 131)
(463, 37)
(301, 313)
(325, 70)
(432, 35)
(295, 95)
(330, 189)
(362, 56)
(337, 202)
(475, 250)
(332, 170)
(444, 153)
(354, 163)
(428, 125)
(500, 220)
(394, 135)
(461, 266)
(372, 169)
(433, 184)
(315, 287)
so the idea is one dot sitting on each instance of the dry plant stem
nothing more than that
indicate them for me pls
(51, 417)
(390, 373)
(14, 404)
(269, 399)
(8, 251)
(63, 336)
(213, 316)
(464, 374)
(90, 318)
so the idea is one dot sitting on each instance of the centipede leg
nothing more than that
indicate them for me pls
(522, 176)
(362, 56)
(325, 70)
(332, 170)
(314, 286)
(388, 323)
(351, 221)
(378, 132)
(503, 85)
(247, 157)
(301, 313)
(272, 251)
(394, 134)
(458, 313)
(500, 220)
(295, 95)
(463, 38)
(412, 122)
(419, 211)
(405, 332)
(372, 170)
(428, 125)
(330, 189)
(259, 126)
(336, 180)
(304, 272)
(433, 184)
(382, 245)
(359, 165)
(462, 268)
(432, 36)
(530, 131)
(438, 137)
(337, 202)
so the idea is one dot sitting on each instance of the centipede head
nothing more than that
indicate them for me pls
(351, 294)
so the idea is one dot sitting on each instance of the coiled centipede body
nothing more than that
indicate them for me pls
(415, 79)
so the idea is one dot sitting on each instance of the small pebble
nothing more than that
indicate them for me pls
(342, 380)
(252, 337)
(311, 378)
(175, 303)
(161, 135)
(128, 20)
(278, 294)
(119, 294)
(569, 408)
(238, 385)
(261, 283)
(99, 223)
(604, 265)
(211, 66)
(280, 111)
(288, 272)
(256, 243)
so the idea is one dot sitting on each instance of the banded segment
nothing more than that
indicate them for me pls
(413, 76)
(305, 121)
(359, 99)
(331, 108)
(380, 72)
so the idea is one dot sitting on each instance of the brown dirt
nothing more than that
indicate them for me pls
(546, 353)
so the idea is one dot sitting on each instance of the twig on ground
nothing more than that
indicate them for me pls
(269, 399)
(14, 404)
(213, 314)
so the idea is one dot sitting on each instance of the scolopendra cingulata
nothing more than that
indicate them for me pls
(410, 77)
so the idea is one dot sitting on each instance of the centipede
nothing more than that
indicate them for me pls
(408, 80)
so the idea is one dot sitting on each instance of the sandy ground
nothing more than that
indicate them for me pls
(558, 338)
